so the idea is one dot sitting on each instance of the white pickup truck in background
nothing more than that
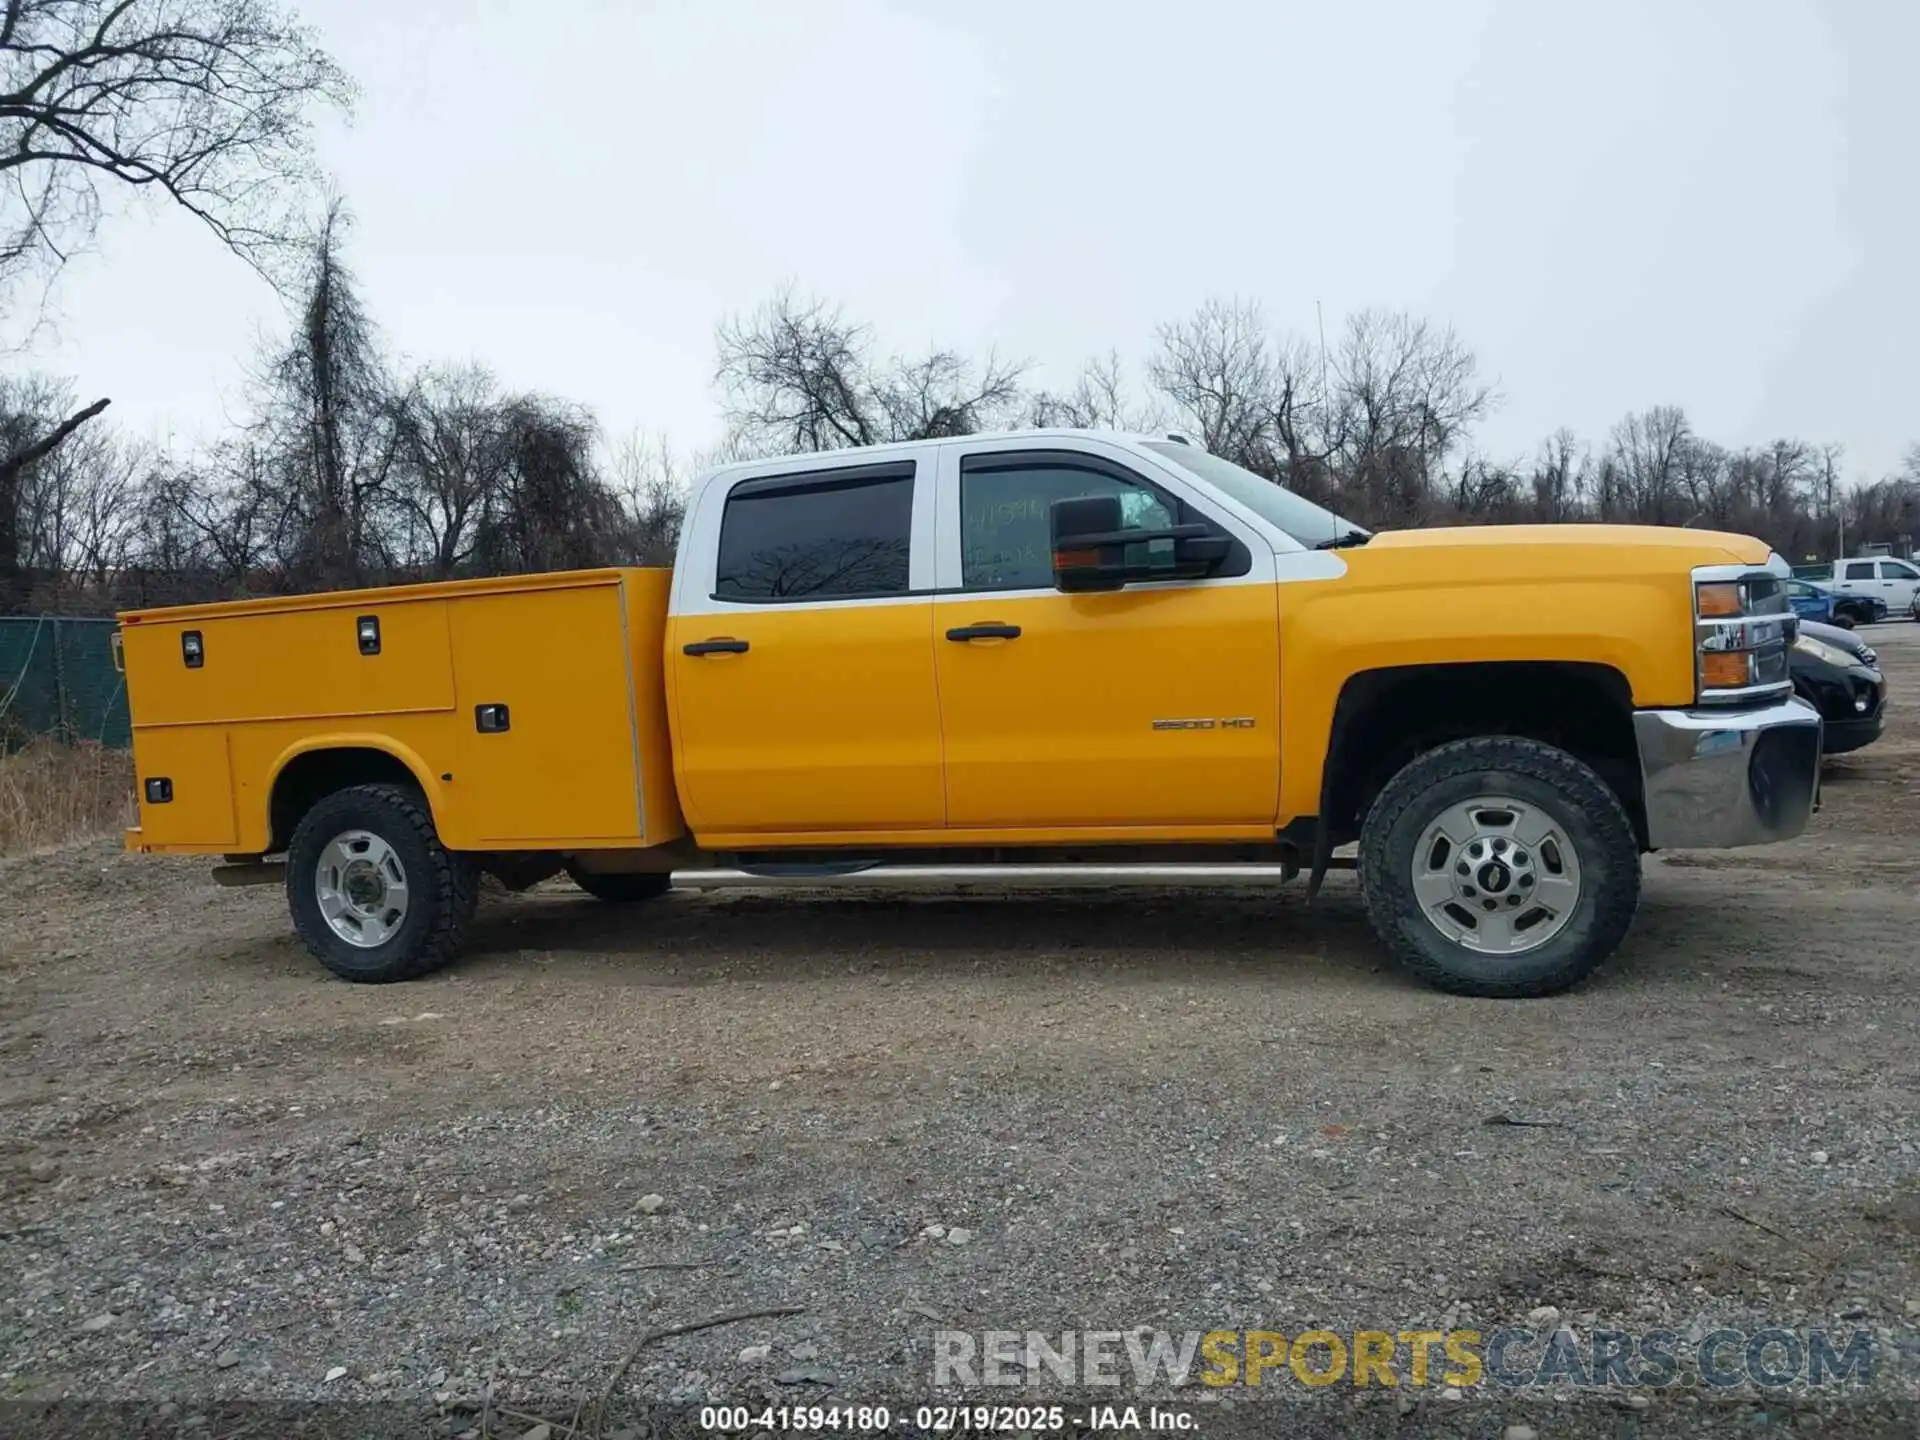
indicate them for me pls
(1896, 582)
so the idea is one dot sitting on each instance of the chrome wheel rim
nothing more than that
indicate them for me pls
(362, 888)
(1496, 875)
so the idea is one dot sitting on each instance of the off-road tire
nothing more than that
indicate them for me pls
(622, 887)
(442, 887)
(1592, 818)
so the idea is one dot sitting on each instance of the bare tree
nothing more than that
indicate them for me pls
(1702, 476)
(1885, 512)
(797, 375)
(1408, 391)
(1485, 491)
(650, 485)
(1646, 449)
(1100, 399)
(1368, 431)
(451, 465)
(553, 512)
(1217, 369)
(78, 513)
(217, 525)
(941, 395)
(1561, 478)
(205, 102)
(791, 377)
(32, 427)
(1310, 420)
(328, 422)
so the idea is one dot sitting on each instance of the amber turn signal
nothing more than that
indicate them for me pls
(1724, 670)
(1718, 601)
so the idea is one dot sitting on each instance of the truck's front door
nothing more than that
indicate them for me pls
(801, 655)
(1152, 706)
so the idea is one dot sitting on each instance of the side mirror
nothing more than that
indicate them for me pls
(1077, 527)
(1094, 550)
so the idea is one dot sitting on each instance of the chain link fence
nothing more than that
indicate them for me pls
(57, 678)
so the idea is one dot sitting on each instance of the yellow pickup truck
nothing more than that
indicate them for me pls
(1036, 658)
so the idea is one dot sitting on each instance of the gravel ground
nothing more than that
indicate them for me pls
(226, 1177)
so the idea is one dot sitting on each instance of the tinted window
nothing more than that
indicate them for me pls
(1889, 570)
(1005, 542)
(1860, 570)
(825, 537)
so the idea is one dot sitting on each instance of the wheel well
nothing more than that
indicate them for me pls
(308, 779)
(1384, 718)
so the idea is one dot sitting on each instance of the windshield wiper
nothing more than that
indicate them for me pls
(1344, 542)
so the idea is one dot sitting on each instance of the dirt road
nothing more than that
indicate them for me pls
(224, 1174)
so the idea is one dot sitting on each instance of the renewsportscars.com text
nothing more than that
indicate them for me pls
(1514, 1357)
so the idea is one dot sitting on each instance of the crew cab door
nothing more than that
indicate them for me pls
(800, 653)
(1154, 705)
(1857, 577)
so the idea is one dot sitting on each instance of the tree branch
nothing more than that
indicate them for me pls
(11, 467)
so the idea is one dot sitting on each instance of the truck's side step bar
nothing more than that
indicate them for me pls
(905, 876)
(946, 877)
(916, 877)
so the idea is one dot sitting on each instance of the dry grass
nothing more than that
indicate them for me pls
(52, 794)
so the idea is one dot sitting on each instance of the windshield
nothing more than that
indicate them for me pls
(1305, 521)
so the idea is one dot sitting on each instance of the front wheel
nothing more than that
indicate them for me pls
(1499, 867)
(374, 894)
(1844, 619)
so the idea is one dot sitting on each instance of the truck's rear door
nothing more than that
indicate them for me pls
(801, 655)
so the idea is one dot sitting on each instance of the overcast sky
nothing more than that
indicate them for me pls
(1617, 205)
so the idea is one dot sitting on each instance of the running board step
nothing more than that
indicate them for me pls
(946, 877)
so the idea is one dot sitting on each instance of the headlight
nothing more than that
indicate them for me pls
(1742, 627)
(1831, 654)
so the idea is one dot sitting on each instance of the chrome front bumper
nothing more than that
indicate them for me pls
(1715, 779)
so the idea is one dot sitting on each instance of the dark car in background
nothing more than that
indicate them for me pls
(1839, 674)
(1843, 639)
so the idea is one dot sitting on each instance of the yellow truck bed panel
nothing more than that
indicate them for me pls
(261, 752)
(291, 664)
(575, 659)
(565, 766)
(195, 760)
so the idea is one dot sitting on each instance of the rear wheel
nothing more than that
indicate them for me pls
(374, 894)
(1499, 867)
(621, 887)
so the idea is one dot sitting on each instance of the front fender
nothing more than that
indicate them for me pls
(1425, 608)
